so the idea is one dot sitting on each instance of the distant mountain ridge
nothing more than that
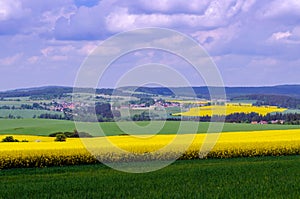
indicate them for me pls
(201, 92)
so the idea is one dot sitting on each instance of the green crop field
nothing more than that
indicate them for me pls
(46, 126)
(292, 111)
(17, 102)
(14, 103)
(25, 113)
(264, 177)
(163, 113)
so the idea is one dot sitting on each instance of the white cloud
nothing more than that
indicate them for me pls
(46, 51)
(11, 59)
(58, 53)
(288, 37)
(198, 7)
(247, 5)
(12, 10)
(279, 8)
(33, 59)
(90, 23)
(121, 20)
(174, 6)
(197, 15)
(216, 39)
(86, 49)
(57, 50)
(280, 35)
(51, 16)
(66, 49)
(85, 24)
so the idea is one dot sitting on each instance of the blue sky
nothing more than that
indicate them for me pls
(252, 42)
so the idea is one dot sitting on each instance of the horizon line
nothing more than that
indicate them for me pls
(194, 86)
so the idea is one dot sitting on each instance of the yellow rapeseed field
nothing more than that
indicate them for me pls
(43, 151)
(230, 109)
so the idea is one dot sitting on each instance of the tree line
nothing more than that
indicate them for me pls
(289, 118)
(272, 100)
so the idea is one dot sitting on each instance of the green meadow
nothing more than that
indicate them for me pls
(25, 113)
(46, 126)
(261, 177)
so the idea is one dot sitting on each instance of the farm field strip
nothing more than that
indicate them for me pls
(50, 153)
(236, 137)
(46, 126)
(189, 101)
(259, 177)
(26, 113)
(230, 109)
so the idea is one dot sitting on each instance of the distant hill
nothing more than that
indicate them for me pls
(201, 92)
(273, 100)
(288, 90)
(51, 91)
(36, 91)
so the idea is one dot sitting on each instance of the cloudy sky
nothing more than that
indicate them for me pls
(252, 42)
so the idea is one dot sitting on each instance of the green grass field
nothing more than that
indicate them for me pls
(14, 103)
(163, 113)
(17, 102)
(264, 177)
(293, 111)
(25, 113)
(45, 127)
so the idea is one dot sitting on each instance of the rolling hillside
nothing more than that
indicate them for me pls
(288, 90)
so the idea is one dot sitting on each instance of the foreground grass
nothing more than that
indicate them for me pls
(46, 126)
(264, 177)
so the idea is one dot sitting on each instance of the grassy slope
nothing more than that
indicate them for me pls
(45, 127)
(265, 177)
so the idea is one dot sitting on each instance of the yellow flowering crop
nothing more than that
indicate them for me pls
(230, 109)
(46, 152)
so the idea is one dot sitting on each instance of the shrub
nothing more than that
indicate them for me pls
(124, 134)
(77, 134)
(74, 134)
(54, 134)
(60, 138)
(9, 139)
(69, 134)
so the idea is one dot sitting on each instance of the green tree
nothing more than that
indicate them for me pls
(60, 138)
(9, 139)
